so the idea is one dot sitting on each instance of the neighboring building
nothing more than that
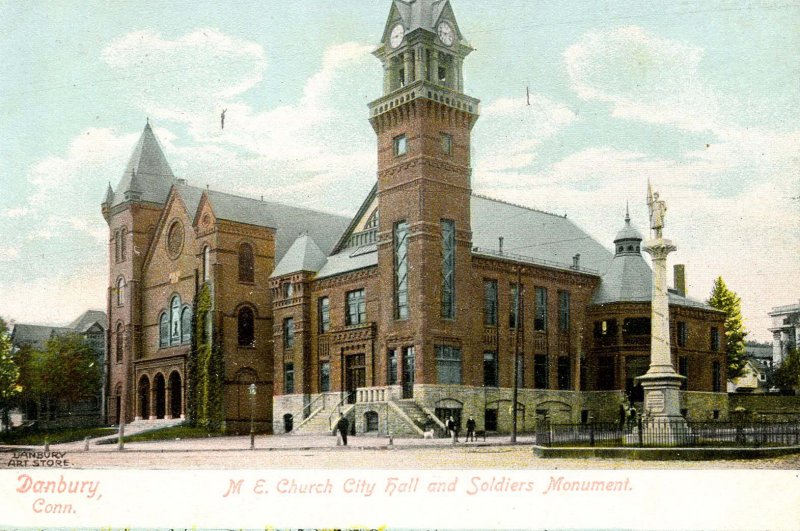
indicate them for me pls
(785, 331)
(92, 326)
(410, 312)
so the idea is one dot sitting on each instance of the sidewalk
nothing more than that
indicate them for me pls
(288, 443)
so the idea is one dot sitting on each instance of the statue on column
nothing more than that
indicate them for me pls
(658, 211)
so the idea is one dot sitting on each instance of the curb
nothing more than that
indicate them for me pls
(663, 454)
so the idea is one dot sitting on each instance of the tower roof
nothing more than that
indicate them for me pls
(147, 172)
(628, 232)
(420, 14)
(303, 255)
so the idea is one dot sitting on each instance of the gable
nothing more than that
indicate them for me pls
(173, 253)
(366, 213)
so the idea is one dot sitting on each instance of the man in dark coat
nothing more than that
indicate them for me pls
(471, 429)
(342, 427)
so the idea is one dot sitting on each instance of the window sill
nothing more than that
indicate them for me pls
(248, 282)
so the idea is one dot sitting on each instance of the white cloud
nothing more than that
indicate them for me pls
(194, 74)
(54, 299)
(643, 76)
(512, 131)
(8, 254)
(14, 213)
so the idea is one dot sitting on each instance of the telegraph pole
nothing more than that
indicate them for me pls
(518, 326)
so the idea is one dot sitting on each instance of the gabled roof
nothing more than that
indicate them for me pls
(303, 255)
(87, 320)
(288, 221)
(536, 235)
(35, 335)
(539, 235)
(147, 172)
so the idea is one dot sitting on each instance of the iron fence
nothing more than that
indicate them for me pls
(670, 433)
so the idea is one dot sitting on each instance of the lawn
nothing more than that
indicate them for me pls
(170, 434)
(56, 436)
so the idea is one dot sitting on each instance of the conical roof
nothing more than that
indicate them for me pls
(109, 198)
(147, 172)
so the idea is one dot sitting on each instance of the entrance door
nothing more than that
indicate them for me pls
(356, 375)
(409, 368)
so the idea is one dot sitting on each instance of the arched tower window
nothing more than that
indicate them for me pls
(175, 320)
(118, 342)
(206, 263)
(246, 327)
(186, 324)
(120, 291)
(246, 265)
(163, 330)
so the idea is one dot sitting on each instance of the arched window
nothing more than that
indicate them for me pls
(246, 267)
(120, 291)
(163, 330)
(116, 245)
(122, 247)
(175, 320)
(206, 263)
(288, 290)
(186, 324)
(246, 328)
(118, 342)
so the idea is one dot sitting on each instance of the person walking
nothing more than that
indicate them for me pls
(471, 429)
(342, 427)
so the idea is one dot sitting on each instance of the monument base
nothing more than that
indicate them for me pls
(662, 422)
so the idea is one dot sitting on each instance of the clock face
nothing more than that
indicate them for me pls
(397, 36)
(446, 34)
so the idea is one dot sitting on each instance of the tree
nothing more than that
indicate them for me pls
(66, 371)
(787, 375)
(727, 301)
(9, 374)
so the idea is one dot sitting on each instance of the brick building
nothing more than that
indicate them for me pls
(413, 310)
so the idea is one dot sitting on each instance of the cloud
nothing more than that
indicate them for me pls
(14, 213)
(512, 131)
(193, 74)
(53, 299)
(643, 77)
(8, 254)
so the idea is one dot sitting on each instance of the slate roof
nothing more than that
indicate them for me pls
(539, 236)
(147, 172)
(303, 255)
(630, 279)
(420, 13)
(35, 335)
(290, 222)
(87, 320)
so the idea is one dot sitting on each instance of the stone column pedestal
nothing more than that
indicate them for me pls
(662, 422)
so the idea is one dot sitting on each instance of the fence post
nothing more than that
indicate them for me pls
(639, 429)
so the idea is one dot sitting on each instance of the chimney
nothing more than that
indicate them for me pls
(576, 261)
(679, 272)
(501, 245)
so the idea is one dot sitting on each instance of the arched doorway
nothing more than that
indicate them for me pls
(160, 386)
(144, 398)
(175, 395)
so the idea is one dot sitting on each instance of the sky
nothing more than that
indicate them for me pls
(700, 97)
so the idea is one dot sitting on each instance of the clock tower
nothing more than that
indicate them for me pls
(423, 122)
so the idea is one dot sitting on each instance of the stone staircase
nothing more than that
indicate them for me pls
(319, 422)
(420, 419)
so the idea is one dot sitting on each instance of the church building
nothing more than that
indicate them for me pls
(431, 302)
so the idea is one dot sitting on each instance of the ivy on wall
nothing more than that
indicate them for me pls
(206, 367)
